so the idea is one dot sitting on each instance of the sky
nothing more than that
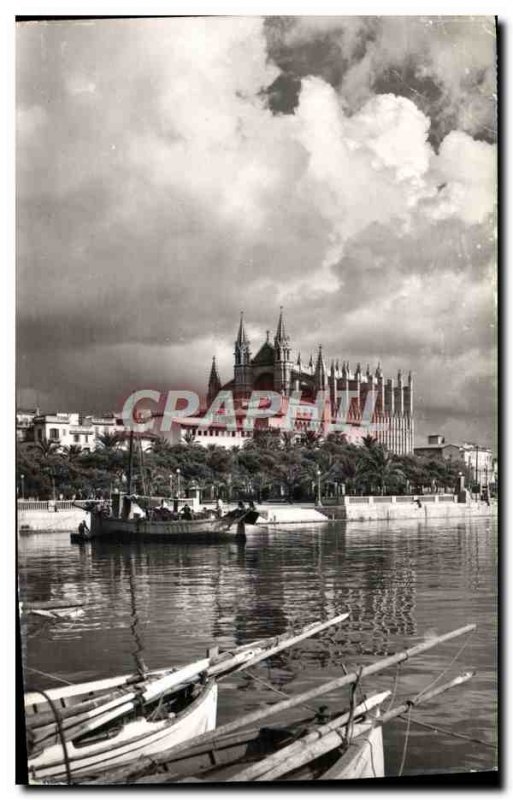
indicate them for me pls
(171, 172)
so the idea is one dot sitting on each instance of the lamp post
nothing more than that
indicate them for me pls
(171, 485)
(178, 479)
(319, 501)
(22, 478)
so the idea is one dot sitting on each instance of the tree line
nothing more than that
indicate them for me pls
(268, 466)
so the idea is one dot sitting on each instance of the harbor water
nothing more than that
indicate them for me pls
(401, 582)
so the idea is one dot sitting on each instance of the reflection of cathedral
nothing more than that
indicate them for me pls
(273, 369)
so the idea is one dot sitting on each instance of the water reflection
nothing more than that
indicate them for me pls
(168, 604)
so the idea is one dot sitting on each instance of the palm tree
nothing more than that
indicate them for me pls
(72, 452)
(369, 441)
(109, 441)
(378, 467)
(189, 437)
(46, 450)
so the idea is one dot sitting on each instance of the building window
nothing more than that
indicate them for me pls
(76, 437)
(54, 433)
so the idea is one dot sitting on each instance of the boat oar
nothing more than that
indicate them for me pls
(253, 772)
(284, 705)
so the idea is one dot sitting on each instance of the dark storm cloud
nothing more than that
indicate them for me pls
(445, 65)
(159, 192)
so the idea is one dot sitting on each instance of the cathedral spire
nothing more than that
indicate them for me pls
(242, 364)
(214, 382)
(321, 377)
(241, 336)
(282, 362)
(281, 336)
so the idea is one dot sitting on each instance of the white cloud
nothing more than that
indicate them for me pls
(469, 171)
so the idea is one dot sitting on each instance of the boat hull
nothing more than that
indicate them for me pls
(137, 738)
(362, 758)
(201, 531)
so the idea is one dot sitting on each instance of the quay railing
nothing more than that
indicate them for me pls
(46, 505)
(347, 500)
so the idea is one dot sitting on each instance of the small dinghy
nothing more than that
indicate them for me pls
(81, 729)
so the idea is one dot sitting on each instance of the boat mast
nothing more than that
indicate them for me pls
(130, 463)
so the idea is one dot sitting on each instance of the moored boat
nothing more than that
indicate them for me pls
(347, 746)
(78, 729)
(134, 522)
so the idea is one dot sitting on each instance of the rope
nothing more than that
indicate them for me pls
(406, 739)
(417, 697)
(47, 675)
(278, 691)
(437, 729)
(352, 704)
(449, 665)
(394, 687)
(61, 734)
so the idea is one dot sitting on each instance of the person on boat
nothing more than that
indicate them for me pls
(83, 529)
(219, 508)
(186, 512)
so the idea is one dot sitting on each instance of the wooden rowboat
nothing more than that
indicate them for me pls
(186, 713)
(79, 729)
(302, 751)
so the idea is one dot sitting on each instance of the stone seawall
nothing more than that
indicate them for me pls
(369, 511)
(32, 521)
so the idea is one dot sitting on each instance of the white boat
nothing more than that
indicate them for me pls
(182, 717)
(80, 729)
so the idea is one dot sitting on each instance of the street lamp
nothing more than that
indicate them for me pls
(319, 501)
(178, 478)
(22, 478)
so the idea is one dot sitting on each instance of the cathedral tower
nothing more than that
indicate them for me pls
(282, 362)
(242, 365)
(321, 374)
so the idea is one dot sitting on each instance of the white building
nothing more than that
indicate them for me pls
(24, 423)
(65, 430)
(71, 429)
(481, 462)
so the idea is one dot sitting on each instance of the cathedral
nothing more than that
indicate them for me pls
(272, 368)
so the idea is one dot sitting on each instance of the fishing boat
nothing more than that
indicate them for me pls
(129, 517)
(78, 729)
(132, 521)
(348, 745)
(302, 751)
